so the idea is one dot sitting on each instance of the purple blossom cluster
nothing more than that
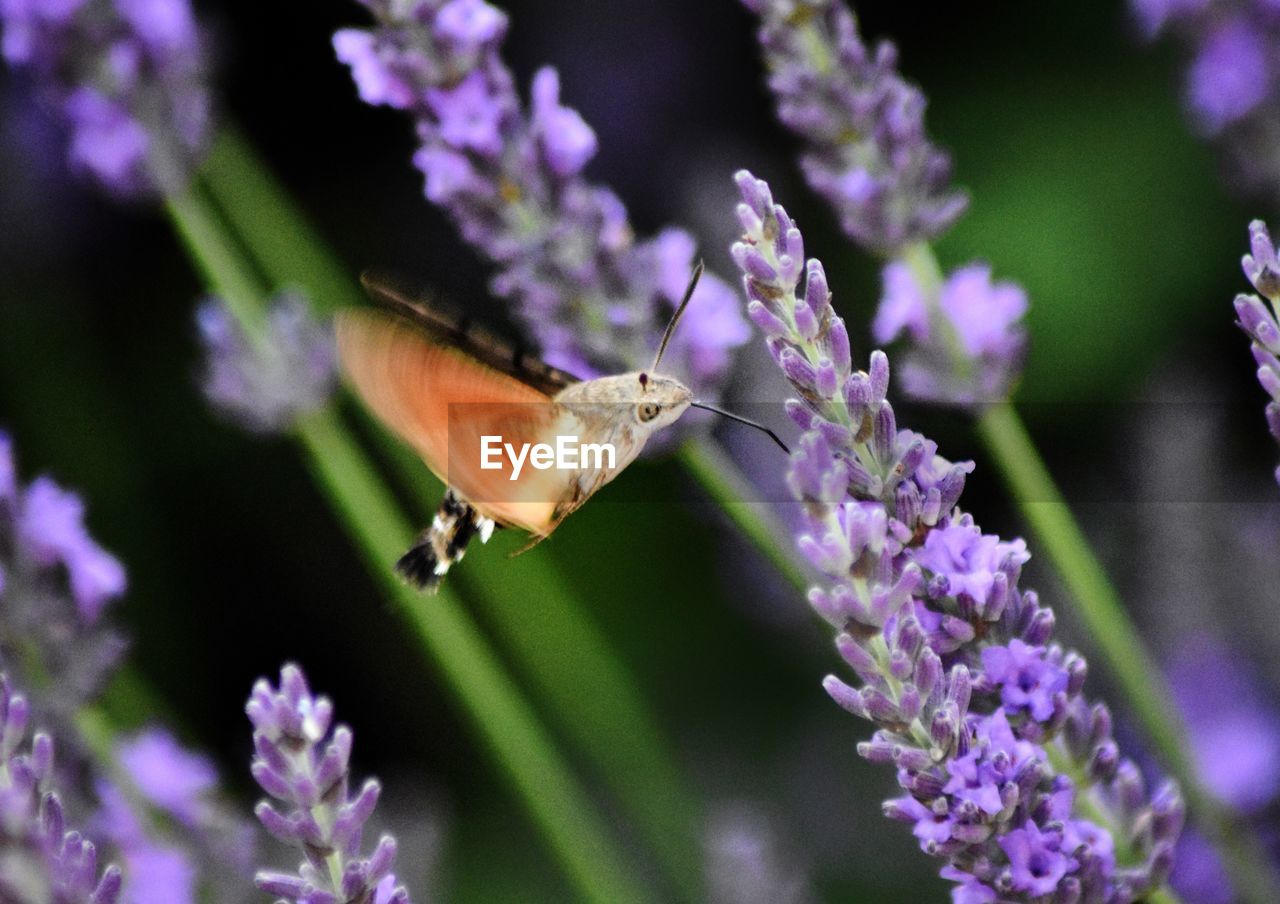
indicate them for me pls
(867, 153)
(593, 295)
(967, 341)
(44, 859)
(1260, 322)
(265, 382)
(205, 851)
(1009, 773)
(1232, 84)
(866, 150)
(305, 769)
(55, 583)
(1234, 733)
(125, 77)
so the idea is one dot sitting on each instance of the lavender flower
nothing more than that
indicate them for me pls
(206, 838)
(867, 154)
(1233, 77)
(1234, 730)
(866, 150)
(44, 860)
(593, 295)
(267, 382)
(305, 769)
(745, 864)
(55, 583)
(967, 337)
(127, 77)
(1263, 270)
(1009, 773)
(155, 872)
(1234, 734)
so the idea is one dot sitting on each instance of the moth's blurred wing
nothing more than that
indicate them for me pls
(442, 402)
(456, 332)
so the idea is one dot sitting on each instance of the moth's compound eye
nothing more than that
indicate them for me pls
(647, 411)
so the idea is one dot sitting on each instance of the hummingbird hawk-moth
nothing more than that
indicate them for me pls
(449, 391)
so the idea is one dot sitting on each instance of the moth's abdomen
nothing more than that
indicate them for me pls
(443, 543)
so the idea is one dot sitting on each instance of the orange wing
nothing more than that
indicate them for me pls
(442, 401)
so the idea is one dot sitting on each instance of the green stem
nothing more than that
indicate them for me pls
(560, 807)
(1059, 535)
(541, 620)
(728, 487)
(557, 645)
(1104, 615)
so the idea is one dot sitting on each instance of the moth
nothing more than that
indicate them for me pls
(470, 405)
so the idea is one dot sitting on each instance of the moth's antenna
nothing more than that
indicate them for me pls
(742, 420)
(675, 318)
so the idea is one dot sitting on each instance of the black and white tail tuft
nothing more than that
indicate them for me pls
(443, 543)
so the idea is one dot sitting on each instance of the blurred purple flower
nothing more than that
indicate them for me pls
(1234, 729)
(43, 859)
(745, 865)
(1198, 873)
(51, 526)
(1232, 79)
(167, 774)
(1254, 317)
(866, 150)
(955, 662)
(154, 873)
(267, 382)
(594, 296)
(55, 581)
(126, 77)
(967, 336)
(305, 770)
(1230, 76)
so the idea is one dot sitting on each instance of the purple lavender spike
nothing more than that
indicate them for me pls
(509, 175)
(265, 385)
(59, 863)
(127, 79)
(312, 810)
(866, 150)
(913, 582)
(1260, 322)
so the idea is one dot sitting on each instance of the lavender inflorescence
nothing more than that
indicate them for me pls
(306, 770)
(1232, 83)
(125, 77)
(1263, 270)
(58, 864)
(867, 153)
(866, 150)
(55, 581)
(593, 295)
(265, 382)
(967, 341)
(1010, 774)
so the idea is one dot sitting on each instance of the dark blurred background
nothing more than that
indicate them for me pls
(1087, 186)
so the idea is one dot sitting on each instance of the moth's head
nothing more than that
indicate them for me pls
(659, 400)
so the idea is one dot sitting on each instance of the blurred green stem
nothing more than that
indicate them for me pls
(542, 620)
(722, 480)
(560, 807)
